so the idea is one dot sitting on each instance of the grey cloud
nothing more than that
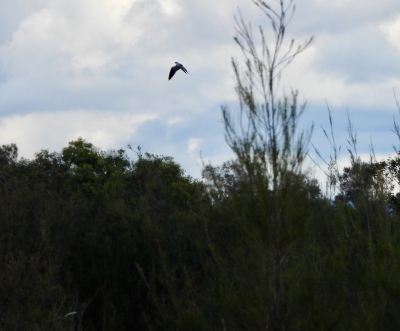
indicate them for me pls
(370, 124)
(126, 81)
(12, 12)
(330, 17)
(361, 55)
(91, 61)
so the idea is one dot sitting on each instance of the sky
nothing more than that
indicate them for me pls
(98, 69)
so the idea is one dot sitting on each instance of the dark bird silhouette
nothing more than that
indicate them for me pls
(175, 68)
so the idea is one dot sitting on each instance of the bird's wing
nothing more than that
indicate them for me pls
(172, 72)
(184, 69)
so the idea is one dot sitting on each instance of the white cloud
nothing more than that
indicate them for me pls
(115, 54)
(171, 7)
(98, 68)
(175, 120)
(392, 31)
(35, 131)
(194, 145)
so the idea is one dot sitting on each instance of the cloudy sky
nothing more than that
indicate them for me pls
(98, 69)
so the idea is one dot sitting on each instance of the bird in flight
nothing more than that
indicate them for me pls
(175, 68)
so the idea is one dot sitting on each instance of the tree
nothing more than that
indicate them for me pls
(264, 138)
